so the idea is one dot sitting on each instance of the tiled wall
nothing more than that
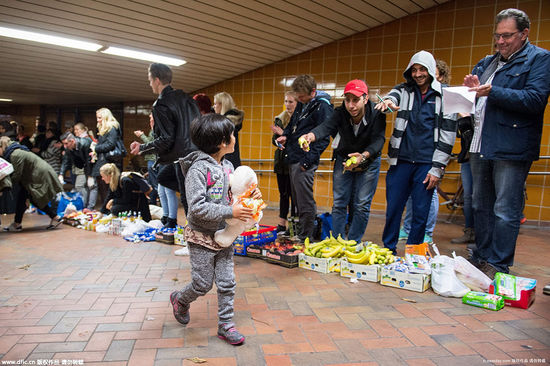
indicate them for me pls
(459, 32)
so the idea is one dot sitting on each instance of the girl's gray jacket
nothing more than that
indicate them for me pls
(206, 187)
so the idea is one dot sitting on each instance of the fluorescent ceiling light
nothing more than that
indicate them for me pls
(45, 38)
(144, 56)
(6, 100)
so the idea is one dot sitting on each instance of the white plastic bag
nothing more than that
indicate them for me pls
(470, 275)
(444, 279)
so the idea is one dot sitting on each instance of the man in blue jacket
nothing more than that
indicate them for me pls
(512, 92)
(312, 110)
(358, 132)
(419, 148)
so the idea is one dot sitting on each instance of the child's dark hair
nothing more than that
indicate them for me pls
(209, 131)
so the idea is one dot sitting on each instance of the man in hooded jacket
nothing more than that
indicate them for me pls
(419, 148)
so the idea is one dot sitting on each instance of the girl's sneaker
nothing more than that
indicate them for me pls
(181, 313)
(231, 336)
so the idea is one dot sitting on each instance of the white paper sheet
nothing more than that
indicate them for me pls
(457, 99)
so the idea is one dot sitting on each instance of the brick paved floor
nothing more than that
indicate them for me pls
(70, 295)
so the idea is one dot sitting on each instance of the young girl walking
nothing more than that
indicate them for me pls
(207, 190)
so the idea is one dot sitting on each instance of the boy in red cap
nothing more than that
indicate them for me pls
(358, 137)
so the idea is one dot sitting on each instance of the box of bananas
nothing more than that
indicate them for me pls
(324, 256)
(365, 262)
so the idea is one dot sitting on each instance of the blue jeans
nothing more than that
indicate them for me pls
(354, 189)
(432, 216)
(466, 176)
(168, 201)
(404, 180)
(497, 204)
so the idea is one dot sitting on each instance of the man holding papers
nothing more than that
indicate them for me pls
(512, 88)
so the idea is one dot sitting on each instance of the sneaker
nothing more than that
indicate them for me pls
(55, 222)
(428, 239)
(14, 227)
(231, 336)
(523, 220)
(181, 313)
(403, 235)
(182, 251)
(280, 228)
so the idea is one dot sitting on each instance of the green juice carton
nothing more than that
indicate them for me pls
(483, 300)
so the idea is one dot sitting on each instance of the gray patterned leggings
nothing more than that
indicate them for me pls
(209, 266)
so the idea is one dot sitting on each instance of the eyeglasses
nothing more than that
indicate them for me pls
(505, 36)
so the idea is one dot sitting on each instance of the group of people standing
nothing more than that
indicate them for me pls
(499, 142)
(197, 150)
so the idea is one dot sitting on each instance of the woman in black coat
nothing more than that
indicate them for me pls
(127, 192)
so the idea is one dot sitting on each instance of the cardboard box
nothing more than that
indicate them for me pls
(288, 261)
(409, 281)
(166, 238)
(323, 265)
(527, 288)
(360, 271)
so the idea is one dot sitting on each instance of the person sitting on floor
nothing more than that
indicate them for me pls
(127, 192)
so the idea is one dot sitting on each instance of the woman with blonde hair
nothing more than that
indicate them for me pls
(108, 149)
(224, 105)
(127, 192)
(280, 166)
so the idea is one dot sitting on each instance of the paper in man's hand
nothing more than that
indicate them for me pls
(457, 99)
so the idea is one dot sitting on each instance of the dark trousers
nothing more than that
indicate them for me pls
(285, 196)
(21, 206)
(404, 180)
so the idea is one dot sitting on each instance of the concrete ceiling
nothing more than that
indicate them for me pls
(219, 39)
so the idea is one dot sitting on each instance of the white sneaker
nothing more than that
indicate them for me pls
(14, 227)
(182, 251)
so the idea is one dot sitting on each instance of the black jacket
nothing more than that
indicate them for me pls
(105, 143)
(304, 119)
(173, 112)
(128, 197)
(369, 138)
(79, 156)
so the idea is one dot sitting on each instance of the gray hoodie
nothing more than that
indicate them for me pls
(206, 187)
(445, 128)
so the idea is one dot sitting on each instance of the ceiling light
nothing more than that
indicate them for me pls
(45, 38)
(140, 55)
(6, 100)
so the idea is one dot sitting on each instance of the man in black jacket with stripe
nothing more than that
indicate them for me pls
(358, 137)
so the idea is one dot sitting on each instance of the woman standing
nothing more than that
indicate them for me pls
(107, 149)
(126, 192)
(280, 166)
(224, 105)
(36, 179)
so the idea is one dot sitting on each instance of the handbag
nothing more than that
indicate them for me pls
(118, 153)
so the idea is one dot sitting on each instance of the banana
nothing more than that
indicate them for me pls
(355, 255)
(363, 259)
(333, 252)
(372, 258)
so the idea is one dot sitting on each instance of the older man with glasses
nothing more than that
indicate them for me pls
(512, 88)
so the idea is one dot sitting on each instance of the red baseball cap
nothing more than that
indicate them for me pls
(356, 87)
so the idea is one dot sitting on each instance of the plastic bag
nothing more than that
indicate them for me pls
(69, 197)
(444, 279)
(470, 275)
